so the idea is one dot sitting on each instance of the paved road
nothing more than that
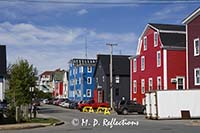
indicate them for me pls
(76, 122)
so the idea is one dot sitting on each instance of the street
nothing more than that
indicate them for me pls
(76, 121)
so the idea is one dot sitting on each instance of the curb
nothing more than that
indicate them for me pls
(15, 127)
(196, 123)
(58, 123)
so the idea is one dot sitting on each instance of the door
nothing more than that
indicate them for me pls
(180, 84)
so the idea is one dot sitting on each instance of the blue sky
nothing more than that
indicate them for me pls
(48, 35)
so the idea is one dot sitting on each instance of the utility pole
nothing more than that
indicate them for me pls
(86, 47)
(111, 76)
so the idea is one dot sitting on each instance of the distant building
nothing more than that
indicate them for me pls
(81, 81)
(2, 72)
(45, 81)
(193, 49)
(160, 60)
(65, 84)
(57, 83)
(121, 78)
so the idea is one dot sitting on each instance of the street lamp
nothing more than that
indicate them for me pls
(111, 76)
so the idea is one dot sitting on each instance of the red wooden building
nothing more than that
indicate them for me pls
(160, 61)
(193, 49)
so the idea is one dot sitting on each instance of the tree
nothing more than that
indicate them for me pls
(22, 76)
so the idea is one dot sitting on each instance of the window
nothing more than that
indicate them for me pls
(134, 65)
(142, 63)
(159, 83)
(155, 39)
(134, 86)
(89, 93)
(89, 80)
(196, 47)
(117, 92)
(79, 80)
(180, 85)
(197, 76)
(117, 79)
(89, 68)
(81, 69)
(145, 43)
(78, 93)
(150, 84)
(142, 86)
(103, 78)
(158, 59)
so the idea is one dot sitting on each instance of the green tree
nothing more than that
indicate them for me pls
(22, 76)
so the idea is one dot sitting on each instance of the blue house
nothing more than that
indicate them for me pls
(81, 81)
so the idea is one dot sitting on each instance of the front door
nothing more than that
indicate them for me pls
(180, 84)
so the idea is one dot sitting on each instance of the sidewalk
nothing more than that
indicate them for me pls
(23, 126)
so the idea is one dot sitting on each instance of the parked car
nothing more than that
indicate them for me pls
(46, 101)
(65, 103)
(3, 105)
(127, 106)
(36, 102)
(93, 104)
(73, 105)
(57, 102)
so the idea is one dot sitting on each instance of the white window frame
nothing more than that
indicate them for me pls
(134, 86)
(90, 94)
(81, 69)
(159, 77)
(117, 79)
(178, 77)
(145, 43)
(79, 80)
(158, 60)
(142, 64)
(155, 39)
(89, 69)
(195, 78)
(89, 79)
(196, 53)
(150, 83)
(142, 86)
(134, 65)
(103, 78)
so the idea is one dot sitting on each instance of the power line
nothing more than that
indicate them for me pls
(104, 3)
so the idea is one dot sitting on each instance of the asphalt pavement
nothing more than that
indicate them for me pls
(79, 122)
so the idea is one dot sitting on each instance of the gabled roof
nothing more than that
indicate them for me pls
(121, 64)
(173, 40)
(168, 27)
(47, 73)
(171, 35)
(192, 16)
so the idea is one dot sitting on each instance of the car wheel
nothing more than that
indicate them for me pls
(125, 112)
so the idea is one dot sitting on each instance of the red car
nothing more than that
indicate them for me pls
(93, 104)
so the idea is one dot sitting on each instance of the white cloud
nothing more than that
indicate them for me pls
(49, 48)
(169, 12)
(82, 12)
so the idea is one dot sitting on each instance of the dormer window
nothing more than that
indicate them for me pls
(145, 43)
(155, 39)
